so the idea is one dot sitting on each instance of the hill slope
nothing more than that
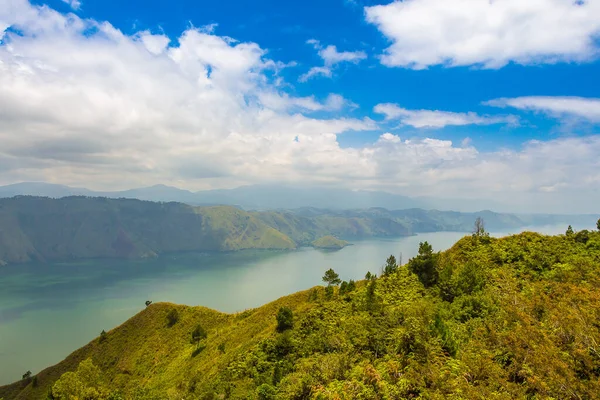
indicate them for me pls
(517, 317)
(34, 228)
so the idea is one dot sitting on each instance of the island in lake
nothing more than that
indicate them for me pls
(330, 243)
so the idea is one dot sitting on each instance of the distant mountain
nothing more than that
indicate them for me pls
(43, 229)
(254, 197)
(46, 229)
(42, 189)
(268, 197)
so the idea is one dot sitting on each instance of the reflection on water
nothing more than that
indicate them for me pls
(49, 310)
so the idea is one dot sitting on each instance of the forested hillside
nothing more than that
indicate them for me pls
(516, 317)
(34, 228)
(77, 227)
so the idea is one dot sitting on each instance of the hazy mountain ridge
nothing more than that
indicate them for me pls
(34, 228)
(46, 229)
(256, 197)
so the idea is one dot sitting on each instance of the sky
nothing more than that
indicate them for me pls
(478, 99)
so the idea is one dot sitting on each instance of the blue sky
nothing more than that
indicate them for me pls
(423, 97)
(283, 28)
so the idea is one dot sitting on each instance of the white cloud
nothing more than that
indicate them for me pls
(204, 111)
(155, 44)
(75, 4)
(316, 71)
(284, 102)
(331, 57)
(439, 119)
(487, 33)
(581, 107)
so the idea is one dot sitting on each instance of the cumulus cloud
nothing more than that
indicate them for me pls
(439, 119)
(487, 33)
(581, 107)
(331, 57)
(84, 104)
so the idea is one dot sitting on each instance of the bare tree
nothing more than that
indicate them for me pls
(479, 229)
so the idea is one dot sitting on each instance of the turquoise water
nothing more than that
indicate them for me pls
(49, 310)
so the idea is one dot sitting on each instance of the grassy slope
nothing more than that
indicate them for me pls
(329, 242)
(517, 317)
(145, 350)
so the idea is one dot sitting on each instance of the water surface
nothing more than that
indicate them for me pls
(49, 310)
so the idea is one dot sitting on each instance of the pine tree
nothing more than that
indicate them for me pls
(391, 266)
(331, 278)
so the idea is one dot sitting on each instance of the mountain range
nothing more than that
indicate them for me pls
(79, 227)
(260, 197)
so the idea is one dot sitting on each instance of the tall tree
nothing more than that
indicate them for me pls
(391, 265)
(424, 265)
(598, 225)
(569, 230)
(331, 278)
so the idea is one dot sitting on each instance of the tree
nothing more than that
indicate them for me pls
(351, 286)
(148, 302)
(598, 225)
(424, 265)
(285, 319)
(582, 236)
(479, 229)
(368, 275)
(371, 298)
(343, 287)
(198, 334)
(331, 278)
(172, 317)
(569, 231)
(391, 265)
(27, 375)
(102, 336)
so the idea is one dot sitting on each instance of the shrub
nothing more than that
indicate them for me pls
(172, 317)
(198, 334)
(285, 319)
(266, 392)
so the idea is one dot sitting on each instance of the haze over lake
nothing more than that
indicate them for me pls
(49, 310)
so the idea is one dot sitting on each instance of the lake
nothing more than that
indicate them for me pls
(49, 310)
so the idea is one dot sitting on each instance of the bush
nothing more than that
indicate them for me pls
(172, 317)
(198, 334)
(266, 392)
(582, 236)
(285, 319)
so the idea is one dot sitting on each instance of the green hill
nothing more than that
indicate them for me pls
(516, 317)
(35, 228)
(330, 243)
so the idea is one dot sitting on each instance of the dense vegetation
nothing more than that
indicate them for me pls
(329, 243)
(44, 229)
(516, 317)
